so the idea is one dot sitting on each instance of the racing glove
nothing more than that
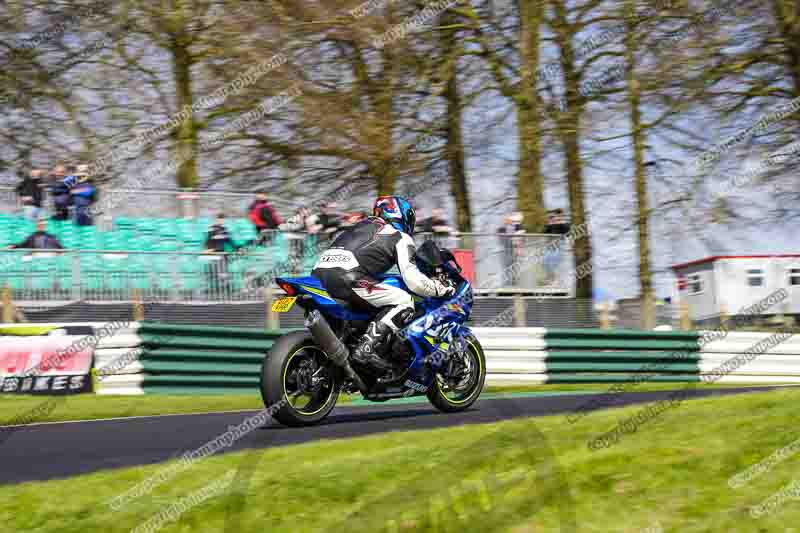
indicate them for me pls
(444, 291)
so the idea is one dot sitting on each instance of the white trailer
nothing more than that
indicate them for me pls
(729, 283)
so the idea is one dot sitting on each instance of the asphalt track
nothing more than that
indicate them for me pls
(59, 450)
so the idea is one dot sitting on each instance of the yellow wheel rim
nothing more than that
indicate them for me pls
(286, 397)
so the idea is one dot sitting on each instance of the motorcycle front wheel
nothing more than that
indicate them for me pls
(298, 376)
(460, 381)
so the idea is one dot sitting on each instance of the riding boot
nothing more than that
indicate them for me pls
(366, 351)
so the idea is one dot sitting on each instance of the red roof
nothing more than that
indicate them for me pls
(715, 257)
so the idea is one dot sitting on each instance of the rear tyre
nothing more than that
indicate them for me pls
(298, 376)
(456, 391)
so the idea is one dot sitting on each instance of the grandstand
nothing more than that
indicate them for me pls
(153, 255)
(150, 247)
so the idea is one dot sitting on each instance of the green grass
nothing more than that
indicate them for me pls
(91, 407)
(519, 476)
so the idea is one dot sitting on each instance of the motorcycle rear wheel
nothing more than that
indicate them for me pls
(298, 376)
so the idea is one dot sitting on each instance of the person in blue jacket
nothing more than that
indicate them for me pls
(84, 194)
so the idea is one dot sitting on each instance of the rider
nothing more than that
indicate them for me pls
(348, 268)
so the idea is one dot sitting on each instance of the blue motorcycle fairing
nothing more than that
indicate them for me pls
(437, 331)
(323, 301)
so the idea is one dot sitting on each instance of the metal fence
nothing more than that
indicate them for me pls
(501, 265)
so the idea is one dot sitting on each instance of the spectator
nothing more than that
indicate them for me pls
(297, 228)
(40, 239)
(327, 223)
(512, 246)
(557, 224)
(218, 241)
(31, 193)
(60, 193)
(84, 194)
(264, 218)
(438, 228)
(436, 223)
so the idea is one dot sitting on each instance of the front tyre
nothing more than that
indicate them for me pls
(459, 382)
(298, 376)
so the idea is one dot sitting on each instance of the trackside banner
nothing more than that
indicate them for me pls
(45, 365)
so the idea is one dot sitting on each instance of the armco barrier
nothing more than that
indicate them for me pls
(163, 358)
(585, 356)
(191, 359)
(589, 355)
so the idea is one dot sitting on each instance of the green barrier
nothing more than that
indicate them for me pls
(611, 334)
(165, 354)
(622, 355)
(202, 342)
(196, 389)
(622, 367)
(598, 355)
(621, 344)
(188, 359)
(191, 367)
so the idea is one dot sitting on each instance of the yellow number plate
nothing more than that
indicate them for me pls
(282, 305)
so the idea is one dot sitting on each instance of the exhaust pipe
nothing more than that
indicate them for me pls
(333, 347)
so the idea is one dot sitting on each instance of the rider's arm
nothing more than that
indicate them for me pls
(416, 281)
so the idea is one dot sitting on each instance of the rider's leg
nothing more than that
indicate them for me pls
(398, 308)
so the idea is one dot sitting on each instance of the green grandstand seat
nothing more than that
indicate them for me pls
(140, 271)
(165, 243)
(117, 273)
(92, 271)
(124, 223)
(16, 280)
(191, 281)
(126, 236)
(161, 266)
(144, 242)
(43, 272)
(190, 272)
(89, 237)
(64, 270)
(137, 267)
(56, 227)
(70, 240)
(168, 227)
(19, 233)
(146, 225)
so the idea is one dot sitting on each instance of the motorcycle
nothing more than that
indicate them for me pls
(435, 355)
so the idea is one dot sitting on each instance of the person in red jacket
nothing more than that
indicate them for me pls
(264, 217)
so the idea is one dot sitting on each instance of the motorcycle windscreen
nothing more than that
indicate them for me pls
(430, 258)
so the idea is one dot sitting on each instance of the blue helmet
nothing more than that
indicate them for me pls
(397, 211)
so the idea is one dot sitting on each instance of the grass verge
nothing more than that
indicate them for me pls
(518, 476)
